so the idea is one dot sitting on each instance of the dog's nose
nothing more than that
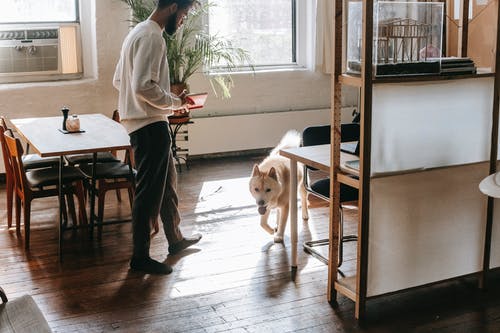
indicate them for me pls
(260, 202)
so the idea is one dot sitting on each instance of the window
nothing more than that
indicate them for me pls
(265, 28)
(34, 11)
(39, 40)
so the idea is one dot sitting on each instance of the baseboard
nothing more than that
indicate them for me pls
(240, 153)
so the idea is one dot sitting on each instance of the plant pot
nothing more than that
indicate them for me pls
(177, 88)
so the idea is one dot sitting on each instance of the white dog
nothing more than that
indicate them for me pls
(270, 186)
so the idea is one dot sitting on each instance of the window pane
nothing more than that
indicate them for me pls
(16, 11)
(262, 27)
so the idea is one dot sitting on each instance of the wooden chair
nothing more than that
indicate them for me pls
(40, 183)
(111, 176)
(102, 157)
(30, 161)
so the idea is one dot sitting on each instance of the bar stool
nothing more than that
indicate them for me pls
(174, 124)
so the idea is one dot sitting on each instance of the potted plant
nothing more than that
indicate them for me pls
(192, 48)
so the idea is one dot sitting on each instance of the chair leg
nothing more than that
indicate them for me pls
(27, 222)
(341, 236)
(80, 194)
(71, 206)
(64, 210)
(130, 196)
(100, 212)
(10, 197)
(18, 213)
(118, 195)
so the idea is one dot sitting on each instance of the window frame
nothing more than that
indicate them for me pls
(49, 76)
(302, 37)
(77, 18)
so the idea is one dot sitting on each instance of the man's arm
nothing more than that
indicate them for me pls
(145, 75)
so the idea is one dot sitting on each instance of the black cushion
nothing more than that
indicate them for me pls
(50, 176)
(320, 135)
(347, 193)
(34, 161)
(102, 157)
(108, 170)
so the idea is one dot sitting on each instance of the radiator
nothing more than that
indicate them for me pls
(247, 132)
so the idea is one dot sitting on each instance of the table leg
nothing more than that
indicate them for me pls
(92, 195)
(293, 215)
(61, 203)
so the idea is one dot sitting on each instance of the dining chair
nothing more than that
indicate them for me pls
(111, 176)
(40, 183)
(317, 135)
(102, 157)
(30, 161)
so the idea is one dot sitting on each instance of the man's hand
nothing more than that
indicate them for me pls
(183, 96)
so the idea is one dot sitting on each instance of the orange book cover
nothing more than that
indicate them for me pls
(196, 100)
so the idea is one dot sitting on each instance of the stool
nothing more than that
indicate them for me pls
(175, 123)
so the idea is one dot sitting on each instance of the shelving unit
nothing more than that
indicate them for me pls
(397, 197)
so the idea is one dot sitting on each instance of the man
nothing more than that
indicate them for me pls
(145, 101)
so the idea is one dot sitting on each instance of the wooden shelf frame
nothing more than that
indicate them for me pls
(355, 287)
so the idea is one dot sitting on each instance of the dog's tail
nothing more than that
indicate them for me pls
(291, 139)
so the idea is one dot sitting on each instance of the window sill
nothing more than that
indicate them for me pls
(75, 79)
(260, 70)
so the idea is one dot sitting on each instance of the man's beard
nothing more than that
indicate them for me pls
(171, 24)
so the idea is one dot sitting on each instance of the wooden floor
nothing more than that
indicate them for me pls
(236, 280)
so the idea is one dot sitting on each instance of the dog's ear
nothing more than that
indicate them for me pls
(272, 173)
(255, 171)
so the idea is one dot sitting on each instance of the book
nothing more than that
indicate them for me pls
(196, 100)
(354, 164)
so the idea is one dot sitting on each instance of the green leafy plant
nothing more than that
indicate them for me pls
(192, 49)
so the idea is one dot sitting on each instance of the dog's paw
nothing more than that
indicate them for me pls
(305, 216)
(278, 239)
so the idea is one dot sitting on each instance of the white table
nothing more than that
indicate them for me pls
(317, 157)
(43, 135)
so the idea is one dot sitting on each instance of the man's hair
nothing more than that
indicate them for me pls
(180, 3)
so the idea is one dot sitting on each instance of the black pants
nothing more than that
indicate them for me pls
(156, 184)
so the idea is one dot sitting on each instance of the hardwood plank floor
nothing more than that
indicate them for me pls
(236, 280)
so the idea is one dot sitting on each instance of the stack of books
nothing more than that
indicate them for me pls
(457, 66)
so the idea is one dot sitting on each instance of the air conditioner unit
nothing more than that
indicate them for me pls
(39, 53)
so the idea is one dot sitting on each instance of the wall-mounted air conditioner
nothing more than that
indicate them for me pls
(39, 53)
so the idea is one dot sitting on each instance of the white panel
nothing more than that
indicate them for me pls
(245, 132)
(425, 227)
(432, 124)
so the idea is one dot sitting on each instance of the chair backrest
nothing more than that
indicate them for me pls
(5, 152)
(116, 116)
(349, 132)
(15, 153)
(320, 135)
(316, 135)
